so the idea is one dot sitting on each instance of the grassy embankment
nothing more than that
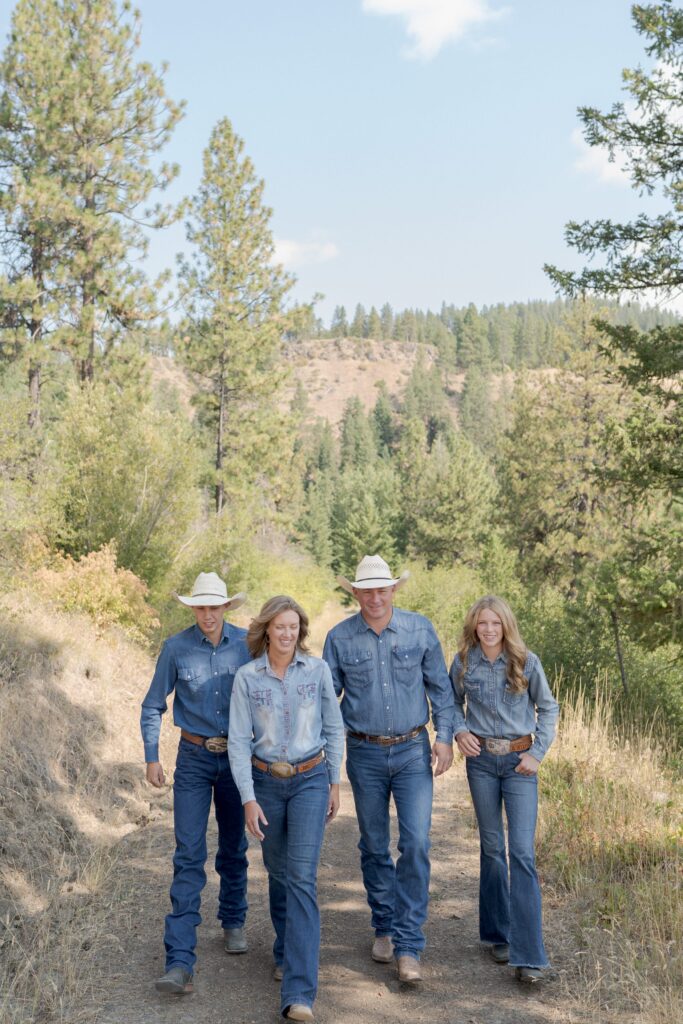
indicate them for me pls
(610, 841)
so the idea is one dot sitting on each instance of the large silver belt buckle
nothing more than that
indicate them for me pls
(494, 746)
(282, 769)
(216, 744)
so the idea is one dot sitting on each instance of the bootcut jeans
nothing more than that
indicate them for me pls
(199, 777)
(509, 900)
(397, 893)
(295, 810)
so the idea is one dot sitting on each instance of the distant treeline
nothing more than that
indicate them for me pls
(514, 335)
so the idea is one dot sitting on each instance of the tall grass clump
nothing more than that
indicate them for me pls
(610, 837)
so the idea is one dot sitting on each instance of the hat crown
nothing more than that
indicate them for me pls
(209, 584)
(372, 567)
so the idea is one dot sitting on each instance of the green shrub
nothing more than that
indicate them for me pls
(96, 586)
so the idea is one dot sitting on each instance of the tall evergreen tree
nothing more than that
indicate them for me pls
(357, 443)
(81, 123)
(233, 295)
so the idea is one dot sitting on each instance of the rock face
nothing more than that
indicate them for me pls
(332, 370)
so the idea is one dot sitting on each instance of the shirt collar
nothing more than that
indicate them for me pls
(203, 638)
(364, 627)
(476, 655)
(262, 663)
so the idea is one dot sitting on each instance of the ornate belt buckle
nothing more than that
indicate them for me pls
(282, 769)
(495, 746)
(216, 744)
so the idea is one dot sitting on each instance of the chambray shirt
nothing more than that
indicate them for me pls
(202, 676)
(387, 679)
(288, 719)
(493, 709)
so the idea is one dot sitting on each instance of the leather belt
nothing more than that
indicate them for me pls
(387, 741)
(493, 745)
(216, 744)
(285, 770)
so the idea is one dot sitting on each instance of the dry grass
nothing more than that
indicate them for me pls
(610, 837)
(70, 787)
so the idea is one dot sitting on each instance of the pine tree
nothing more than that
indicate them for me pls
(81, 122)
(339, 326)
(357, 444)
(454, 504)
(233, 295)
(387, 320)
(358, 328)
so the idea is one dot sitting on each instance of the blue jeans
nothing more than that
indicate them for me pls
(295, 810)
(397, 893)
(199, 776)
(509, 904)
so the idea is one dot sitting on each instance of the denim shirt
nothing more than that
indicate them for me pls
(202, 676)
(387, 679)
(493, 709)
(288, 719)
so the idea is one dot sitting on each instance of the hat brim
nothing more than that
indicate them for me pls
(371, 584)
(212, 601)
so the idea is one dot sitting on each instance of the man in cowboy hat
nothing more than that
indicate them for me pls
(389, 666)
(200, 665)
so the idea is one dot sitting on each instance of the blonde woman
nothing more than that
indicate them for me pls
(505, 721)
(285, 745)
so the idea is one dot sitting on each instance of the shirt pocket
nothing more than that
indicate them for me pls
(261, 700)
(357, 668)
(307, 693)
(189, 678)
(406, 663)
(473, 689)
(514, 699)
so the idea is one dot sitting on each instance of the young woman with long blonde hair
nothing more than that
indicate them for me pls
(505, 718)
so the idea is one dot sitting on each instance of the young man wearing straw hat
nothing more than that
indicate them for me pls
(388, 665)
(199, 664)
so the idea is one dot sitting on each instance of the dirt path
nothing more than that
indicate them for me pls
(462, 984)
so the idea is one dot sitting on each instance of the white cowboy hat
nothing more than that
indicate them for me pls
(372, 573)
(209, 589)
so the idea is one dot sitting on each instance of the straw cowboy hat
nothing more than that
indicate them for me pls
(371, 574)
(209, 589)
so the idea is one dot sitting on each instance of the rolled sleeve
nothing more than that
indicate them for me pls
(332, 726)
(547, 709)
(240, 740)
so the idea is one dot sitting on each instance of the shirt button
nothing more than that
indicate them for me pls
(216, 692)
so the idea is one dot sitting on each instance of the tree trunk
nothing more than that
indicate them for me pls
(220, 489)
(617, 642)
(34, 382)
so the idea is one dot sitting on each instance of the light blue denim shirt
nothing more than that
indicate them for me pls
(288, 719)
(493, 709)
(202, 676)
(387, 679)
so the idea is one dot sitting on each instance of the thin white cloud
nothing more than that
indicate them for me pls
(594, 160)
(293, 254)
(433, 23)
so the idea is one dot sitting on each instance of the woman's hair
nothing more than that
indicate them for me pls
(513, 645)
(257, 639)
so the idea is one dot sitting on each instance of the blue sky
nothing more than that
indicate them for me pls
(414, 151)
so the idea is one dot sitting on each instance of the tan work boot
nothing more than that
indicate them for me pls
(298, 1011)
(409, 972)
(383, 949)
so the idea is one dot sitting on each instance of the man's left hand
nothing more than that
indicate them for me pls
(442, 757)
